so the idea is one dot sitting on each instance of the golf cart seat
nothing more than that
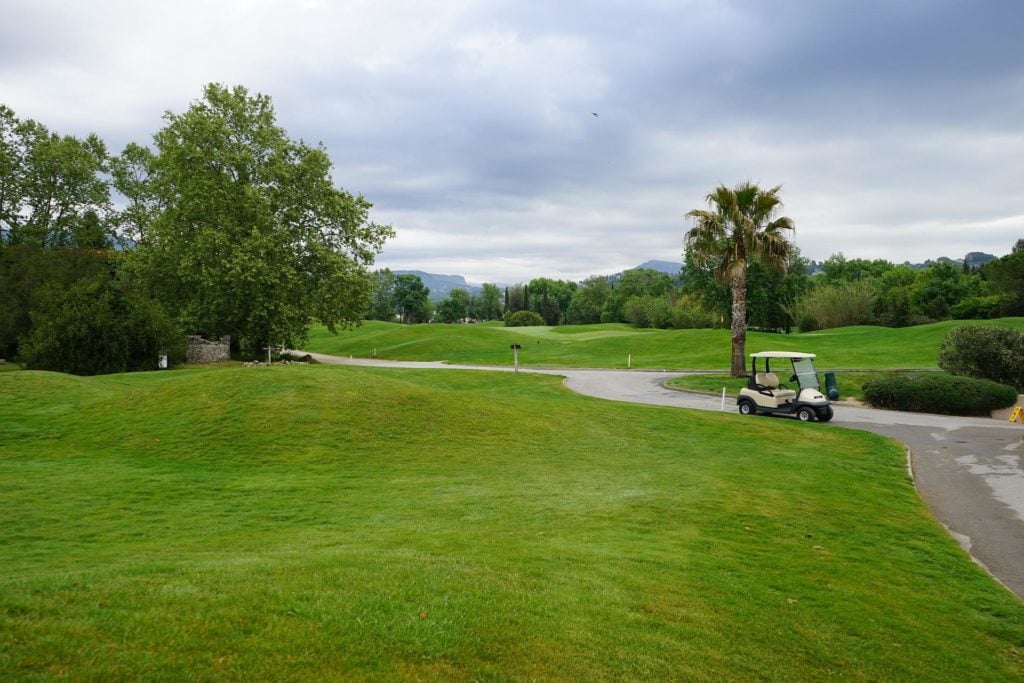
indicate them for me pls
(768, 383)
(766, 395)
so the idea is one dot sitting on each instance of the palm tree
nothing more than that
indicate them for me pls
(740, 226)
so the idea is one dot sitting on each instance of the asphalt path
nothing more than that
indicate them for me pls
(967, 470)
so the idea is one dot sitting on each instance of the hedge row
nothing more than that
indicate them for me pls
(524, 319)
(938, 393)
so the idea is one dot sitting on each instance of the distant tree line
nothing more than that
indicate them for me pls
(844, 292)
(404, 298)
(225, 226)
(742, 270)
(862, 292)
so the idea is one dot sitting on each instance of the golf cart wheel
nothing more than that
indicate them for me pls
(746, 408)
(805, 415)
(827, 415)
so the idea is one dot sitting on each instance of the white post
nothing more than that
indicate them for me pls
(723, 398)
(515, 356)
(629, 361)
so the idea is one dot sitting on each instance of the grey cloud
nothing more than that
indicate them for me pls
(469, 125)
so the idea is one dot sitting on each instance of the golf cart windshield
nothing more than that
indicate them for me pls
(805, 374)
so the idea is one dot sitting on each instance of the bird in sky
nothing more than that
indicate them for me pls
(595, 114)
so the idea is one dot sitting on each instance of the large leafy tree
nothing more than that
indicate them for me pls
(241, 230)
(772, 295)
(740, 224)
(31, 277)
(516, 299)
(412, 298)
(1006, 276)
(550, 298)
(588, 301)
(642, 282)
(53, 192)
(837, 268)
(940, 287)
(892, 302)
(455, 307)
(488, 304)
(382, 305)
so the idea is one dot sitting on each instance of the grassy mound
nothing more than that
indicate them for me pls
(616, 345)
(316, 521)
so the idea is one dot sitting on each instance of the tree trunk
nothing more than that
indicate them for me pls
(739, 323)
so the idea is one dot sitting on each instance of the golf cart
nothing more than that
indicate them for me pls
(765, 394)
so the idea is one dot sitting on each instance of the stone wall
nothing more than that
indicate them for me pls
(201, 350)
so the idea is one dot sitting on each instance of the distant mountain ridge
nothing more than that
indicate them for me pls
(440, 286)
(672, 268)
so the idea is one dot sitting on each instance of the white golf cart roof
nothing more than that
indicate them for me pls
(795, 355)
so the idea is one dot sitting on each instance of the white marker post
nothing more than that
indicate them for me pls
(629, 362)
(723, 398)
(515, 355)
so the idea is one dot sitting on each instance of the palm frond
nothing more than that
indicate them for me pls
(739, 225)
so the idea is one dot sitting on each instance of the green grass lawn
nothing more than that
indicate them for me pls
(329, 522)
(612, 346)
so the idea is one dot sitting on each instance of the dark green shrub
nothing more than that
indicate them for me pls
(980, 307)
(689, 314)
(994, 353)
(647, 311)
(916, 319)
(938, 393)
(96, 328)
(805, 322)
(28, 276)
(524, 319)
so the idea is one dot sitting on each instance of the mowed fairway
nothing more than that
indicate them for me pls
(311, 522)
(614, 345)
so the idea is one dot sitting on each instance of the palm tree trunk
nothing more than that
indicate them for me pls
(739, 323)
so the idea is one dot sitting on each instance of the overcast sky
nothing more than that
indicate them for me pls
(896, 127)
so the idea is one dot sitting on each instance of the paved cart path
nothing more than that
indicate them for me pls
(969, 471)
